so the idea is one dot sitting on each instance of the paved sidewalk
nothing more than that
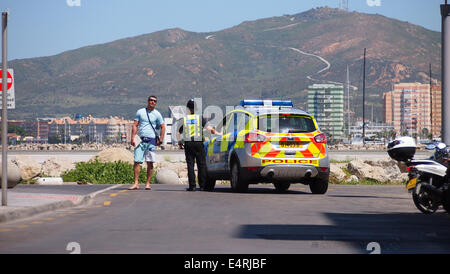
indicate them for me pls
(28, 200)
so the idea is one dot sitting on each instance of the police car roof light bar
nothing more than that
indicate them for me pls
(266, 103)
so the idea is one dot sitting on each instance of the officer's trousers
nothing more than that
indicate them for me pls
(195, 151)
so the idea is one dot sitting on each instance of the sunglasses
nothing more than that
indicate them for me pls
(152, 100)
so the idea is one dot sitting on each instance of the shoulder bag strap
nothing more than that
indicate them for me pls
(148, 117)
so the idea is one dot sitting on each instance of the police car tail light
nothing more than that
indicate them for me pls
(321, 138)
(253, 137)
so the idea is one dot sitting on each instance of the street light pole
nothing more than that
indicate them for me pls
(4, 114)
(445, 11)
(364, 98)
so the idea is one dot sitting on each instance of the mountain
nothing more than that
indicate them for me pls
(269, 58)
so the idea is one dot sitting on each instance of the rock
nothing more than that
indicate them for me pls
(56, 166)
(179, 168)
(114, 155)
(14, 174)
(167, 176)
(50, 181)
(352, 179)
(29, 168)
(382, 171)
(336, 172)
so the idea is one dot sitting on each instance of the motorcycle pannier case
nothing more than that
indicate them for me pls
(402, 149)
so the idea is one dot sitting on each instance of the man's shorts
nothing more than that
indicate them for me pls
(142, 153)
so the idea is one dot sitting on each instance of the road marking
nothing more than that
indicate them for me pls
(22, 226)
(107, 203)
(37, 222)
(5, 230)
(49, 219)
(124, 190)
(113, 195)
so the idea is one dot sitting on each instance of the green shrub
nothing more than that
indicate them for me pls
(97, 172)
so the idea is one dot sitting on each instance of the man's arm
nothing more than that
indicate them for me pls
(163, 131)
(213, 130)
(133, 132)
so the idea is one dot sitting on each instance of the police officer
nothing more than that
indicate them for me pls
(192, 131)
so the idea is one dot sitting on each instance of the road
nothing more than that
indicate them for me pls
(170, 220)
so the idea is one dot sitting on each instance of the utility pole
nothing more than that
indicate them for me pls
(431, 106)
(4, 112)
(445, 11)
(364, 98)
(348, 101)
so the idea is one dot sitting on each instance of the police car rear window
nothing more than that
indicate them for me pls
(286, 123)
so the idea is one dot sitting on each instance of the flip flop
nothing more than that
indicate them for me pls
(148, 188)
(133, 188)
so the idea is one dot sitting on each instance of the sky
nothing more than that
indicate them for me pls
(48, 27)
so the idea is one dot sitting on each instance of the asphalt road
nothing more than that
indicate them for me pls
(170, 220)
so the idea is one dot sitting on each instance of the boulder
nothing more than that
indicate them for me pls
(50, 181)
(352, 179)
(336, 172)
(56, 166)
(29, 168)
(14, 174)
(382, 171)
(167, 176)
(114, 155)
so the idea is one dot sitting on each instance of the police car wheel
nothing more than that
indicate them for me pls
(210, 184)
(319, 186)
(237, 184)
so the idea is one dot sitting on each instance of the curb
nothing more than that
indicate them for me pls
(15, 213)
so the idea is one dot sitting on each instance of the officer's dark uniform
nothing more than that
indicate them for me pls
(194, 150)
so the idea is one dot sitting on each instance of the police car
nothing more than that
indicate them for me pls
(268, 141)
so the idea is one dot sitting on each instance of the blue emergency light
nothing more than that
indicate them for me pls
(267, 103)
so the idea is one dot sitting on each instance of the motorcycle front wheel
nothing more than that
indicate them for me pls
(423, 200)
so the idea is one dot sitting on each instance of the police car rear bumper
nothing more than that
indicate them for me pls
(289, 171)
(286, 173)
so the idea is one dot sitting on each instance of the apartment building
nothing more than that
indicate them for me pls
(112, 129)
(436, 110)
(411, 108)
(37, 128)
(326, 103)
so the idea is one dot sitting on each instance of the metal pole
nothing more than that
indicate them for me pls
(431, 106)
(445, 10)
(4, 107)
(364, 98)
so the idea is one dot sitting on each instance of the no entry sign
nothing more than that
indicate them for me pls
(10, 80)
(10, 87)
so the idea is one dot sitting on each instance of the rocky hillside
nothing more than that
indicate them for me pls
(272, 58)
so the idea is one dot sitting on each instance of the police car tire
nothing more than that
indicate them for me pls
(237, 184)
(319, 186)
(210, 184)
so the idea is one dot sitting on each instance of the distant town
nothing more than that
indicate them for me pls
(412, 109)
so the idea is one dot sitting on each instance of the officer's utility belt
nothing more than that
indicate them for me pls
(149, 140)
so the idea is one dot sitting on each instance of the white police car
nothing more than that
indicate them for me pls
(268, 141)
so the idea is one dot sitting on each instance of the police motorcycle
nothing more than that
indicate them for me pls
(428, 178)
